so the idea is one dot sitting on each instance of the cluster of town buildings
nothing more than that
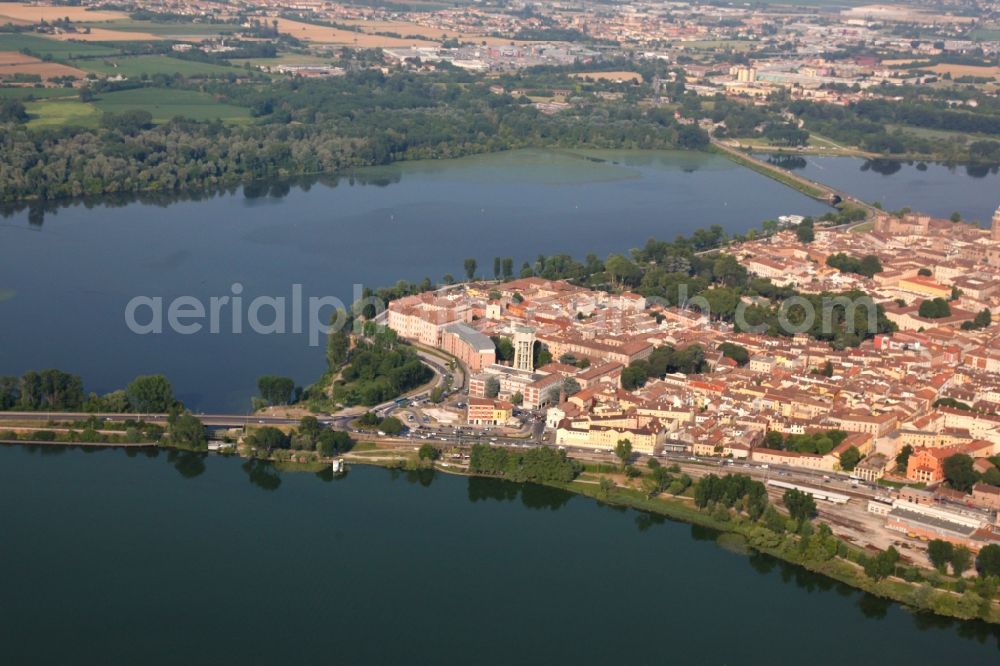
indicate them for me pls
(921, 258)
(886, 394)
(773, 45)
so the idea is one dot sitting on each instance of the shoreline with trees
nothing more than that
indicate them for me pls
(739, 510)
(735, 506)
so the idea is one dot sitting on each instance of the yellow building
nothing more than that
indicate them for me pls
(925, 287)
(604, 433)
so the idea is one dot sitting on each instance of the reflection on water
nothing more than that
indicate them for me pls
(881, 166)
(929, 187)
(540, 570)
(188, 464)
(552, 167)
(275, 190)
(789, 162)
(870, 606)
(262, 474)
(888, 167)
(420, 477)
(326, 475)
(644, 520)
(981, 170)
(532, 495)
(702, 533)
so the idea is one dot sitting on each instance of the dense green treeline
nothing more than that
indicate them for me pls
(867, 265)
(677, 274)
(311, 126)
(55, 390)
(377, 369)
(661, 362)
(310, 435)
(885, 126)
(817, 442)
(538, 465)
(740, 504)
(880, 126)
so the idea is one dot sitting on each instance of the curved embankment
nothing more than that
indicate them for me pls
(810, 188)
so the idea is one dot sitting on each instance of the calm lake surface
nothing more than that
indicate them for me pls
(940, 190)
(159, 558)
(67, 275)
(67, 282)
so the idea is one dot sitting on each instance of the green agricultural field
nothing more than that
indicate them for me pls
(134, 66)
(284, 59)
(28, 92)
(820, 3)
(59, 113)
(165, 104)
(43, 47)
(720, 44)
(985, 34)
(167, 30)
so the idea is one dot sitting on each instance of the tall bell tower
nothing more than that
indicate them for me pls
(995, 229)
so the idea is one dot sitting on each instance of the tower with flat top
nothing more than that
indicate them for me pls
(995, 229)
(524, 348)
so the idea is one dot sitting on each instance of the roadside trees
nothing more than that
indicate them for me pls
(882, 565)
(801, 506)
(150, 393)
(429, 452)
(850, 458)
(940, 552)
(988, 562)
(187, 431)
(623, 451)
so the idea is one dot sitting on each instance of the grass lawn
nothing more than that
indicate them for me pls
(55, 49)
(818, 145)
(926, 133)
(760, 143)
(60, 113)
(164, 104)
(132, 66)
